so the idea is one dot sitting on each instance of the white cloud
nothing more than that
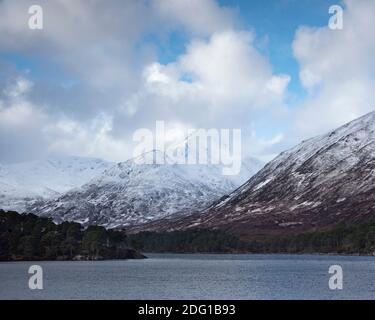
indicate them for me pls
(104, 38)
(219, 82)
(337, 68)
(28, 132)
(97, 50)
(92, 138)
(197, 16)
(112, 81)
(16, 115)
(15, 109)
(230, 69)
(215, 80)
(17, 89)
(20, 123)
(278, 84)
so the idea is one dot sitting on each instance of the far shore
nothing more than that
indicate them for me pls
(149, 255)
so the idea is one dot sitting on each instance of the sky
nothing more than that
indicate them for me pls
(100, 70)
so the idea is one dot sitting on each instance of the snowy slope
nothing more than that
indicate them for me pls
(129, 193)
(319, 162)
(321, 182)
(22, 183)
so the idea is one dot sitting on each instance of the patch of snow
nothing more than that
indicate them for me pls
(262, 184)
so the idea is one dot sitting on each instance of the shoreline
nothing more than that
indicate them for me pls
(268, 253)
(146, 256)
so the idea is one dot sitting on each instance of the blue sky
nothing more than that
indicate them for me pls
(100, 70)
(274, 22)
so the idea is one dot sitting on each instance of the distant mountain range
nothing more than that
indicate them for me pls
(131, 194)
(317, 184)
(23, 183)
(92, 191)
(314, 186)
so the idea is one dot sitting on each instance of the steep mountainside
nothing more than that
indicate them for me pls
(319, 183)
(131, 194)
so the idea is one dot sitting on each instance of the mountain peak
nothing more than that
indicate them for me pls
(317, 184)
(128, 193)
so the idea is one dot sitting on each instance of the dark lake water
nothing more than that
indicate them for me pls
(194, 276)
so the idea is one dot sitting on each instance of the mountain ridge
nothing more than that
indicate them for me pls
(21, 183)
(129, 193)
(318, 183)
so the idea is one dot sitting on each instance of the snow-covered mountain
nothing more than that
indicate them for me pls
(129, 193)
(319, 183)
(22, 183)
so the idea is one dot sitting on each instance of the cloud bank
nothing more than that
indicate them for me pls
(96, 73)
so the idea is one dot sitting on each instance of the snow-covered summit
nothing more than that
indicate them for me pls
(129, 193)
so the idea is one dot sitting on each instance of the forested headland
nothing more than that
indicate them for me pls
(29, 237)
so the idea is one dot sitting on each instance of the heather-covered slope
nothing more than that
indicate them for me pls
(317, 184)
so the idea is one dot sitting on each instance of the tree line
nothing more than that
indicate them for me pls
(341, 239)
(187, 241)
(29, 237)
